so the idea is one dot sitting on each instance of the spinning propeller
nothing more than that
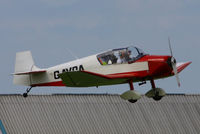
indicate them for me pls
(173, 63)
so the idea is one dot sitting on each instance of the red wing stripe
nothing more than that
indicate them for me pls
(121, 75)
(100, 75)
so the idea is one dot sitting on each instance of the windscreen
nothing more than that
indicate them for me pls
(120, 56)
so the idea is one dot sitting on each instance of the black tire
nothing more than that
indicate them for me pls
(157, 98)
(25, 95)
(132, 101)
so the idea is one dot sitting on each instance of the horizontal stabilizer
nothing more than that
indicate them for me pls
(24, 66)
(31, 72)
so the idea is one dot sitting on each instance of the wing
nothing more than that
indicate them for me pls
(87, 79)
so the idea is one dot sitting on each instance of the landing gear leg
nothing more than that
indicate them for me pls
(27, 91)
(131, 88)
(157, 97)
(152, 83)
(131, 84)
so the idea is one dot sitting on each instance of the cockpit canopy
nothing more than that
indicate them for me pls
(120, 56)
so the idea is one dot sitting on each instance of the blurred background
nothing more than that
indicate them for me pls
(52, 28)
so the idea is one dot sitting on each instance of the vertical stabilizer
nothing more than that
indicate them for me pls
(24, 63)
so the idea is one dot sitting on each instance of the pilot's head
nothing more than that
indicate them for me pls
(129, 52)
(122, 54)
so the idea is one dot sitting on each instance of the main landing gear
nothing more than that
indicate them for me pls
(27, 91)
(155, 93)
(133, 96)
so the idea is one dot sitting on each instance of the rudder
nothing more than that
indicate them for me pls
(24, 63)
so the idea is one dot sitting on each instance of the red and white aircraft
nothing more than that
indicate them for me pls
(117, 66)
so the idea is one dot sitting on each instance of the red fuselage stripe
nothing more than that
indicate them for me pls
(53, 84)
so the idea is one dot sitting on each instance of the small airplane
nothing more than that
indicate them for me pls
(117, 66)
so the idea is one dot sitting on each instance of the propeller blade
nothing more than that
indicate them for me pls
(170, 48)
(173, 62)
(176, 73)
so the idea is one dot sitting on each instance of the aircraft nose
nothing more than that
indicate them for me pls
(169, 61)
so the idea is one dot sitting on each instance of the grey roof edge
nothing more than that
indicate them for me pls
(99, 113)
(98, 94)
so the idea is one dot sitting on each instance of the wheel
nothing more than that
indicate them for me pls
(25, 95)
(157, 98)
(132, 101)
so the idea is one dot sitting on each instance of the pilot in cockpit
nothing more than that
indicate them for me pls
(119, 56)
(122, 57)
(129, 56)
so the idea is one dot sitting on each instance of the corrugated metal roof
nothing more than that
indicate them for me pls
(99, 114)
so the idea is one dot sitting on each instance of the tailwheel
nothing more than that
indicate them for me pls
(25, 95)
(27, 91)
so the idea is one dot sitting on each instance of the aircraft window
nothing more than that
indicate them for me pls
(141, 51)
(107, 58)
(133, 53)
(136, 54)
(120, 56)
(123, 56)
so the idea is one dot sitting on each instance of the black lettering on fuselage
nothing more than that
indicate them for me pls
(70, 69)
(56, 75)
(75, 68)
(64, 70)
(81, 68)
